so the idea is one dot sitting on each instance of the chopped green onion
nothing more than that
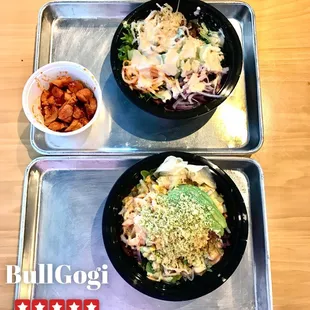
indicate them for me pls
(149, 268)
(146, 173)
(176, 278)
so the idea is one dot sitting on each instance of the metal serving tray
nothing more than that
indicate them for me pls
(62, 208)
(82, 31)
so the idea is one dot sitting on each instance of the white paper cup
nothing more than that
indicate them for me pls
(40, 80)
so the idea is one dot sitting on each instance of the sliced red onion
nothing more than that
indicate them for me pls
(215, 83)
(210, 95)
(203, 77)
(191, 99)
(208, 84)
(180, 104)
(185, 86)
(183, 95)
(185, 107)
(138, 255)
(180, 100)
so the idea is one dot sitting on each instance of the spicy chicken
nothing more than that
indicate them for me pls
(67, 105)
(66, 113)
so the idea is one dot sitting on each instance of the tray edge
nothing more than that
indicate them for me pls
(216, 152)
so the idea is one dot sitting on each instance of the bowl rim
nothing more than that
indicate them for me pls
(239, 249)
(66, 65)
(178, 115)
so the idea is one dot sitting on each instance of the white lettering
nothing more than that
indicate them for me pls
(80, 277)
(41, 274)
(10, 274)
(104, 273)
(45, 274)
(58, 275)
(92, 284)
(49, 273)
(29, 277)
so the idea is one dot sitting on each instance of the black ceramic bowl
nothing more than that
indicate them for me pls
(214, 20)
(133, 273)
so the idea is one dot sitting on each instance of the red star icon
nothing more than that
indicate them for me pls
(91, 304)
(57, 304)
(39, 304)
(22, 304)
(74, 304)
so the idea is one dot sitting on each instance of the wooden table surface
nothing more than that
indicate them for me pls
(284, 57)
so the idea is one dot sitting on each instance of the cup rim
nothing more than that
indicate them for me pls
(41, 70)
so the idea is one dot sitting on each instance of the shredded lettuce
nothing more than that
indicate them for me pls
(147, 96)
(204, 33)
(127, 44)
(130, 54)
(176, 278)
(215, 38)
(145, 173)
(149, 268)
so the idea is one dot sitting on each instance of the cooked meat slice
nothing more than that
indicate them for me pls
(78, 112)
(62, 81)
(75, 125)
(75, 86)
(65, 113)
(57, 92)
(91, 107)
(59, 101)
(83, 121)
(50, 114)
(84, 94)
(51, 100)
(67, 96)
(44, 103)
(73, 100)
(57, 126)
(44, 96)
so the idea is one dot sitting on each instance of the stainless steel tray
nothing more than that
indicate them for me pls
(62, 209)
(82, 31)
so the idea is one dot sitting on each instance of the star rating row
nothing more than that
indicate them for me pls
(56, 304)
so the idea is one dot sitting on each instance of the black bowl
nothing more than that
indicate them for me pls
(214, 20)
(133, 273)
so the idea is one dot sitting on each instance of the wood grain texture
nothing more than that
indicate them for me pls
(283, 29)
